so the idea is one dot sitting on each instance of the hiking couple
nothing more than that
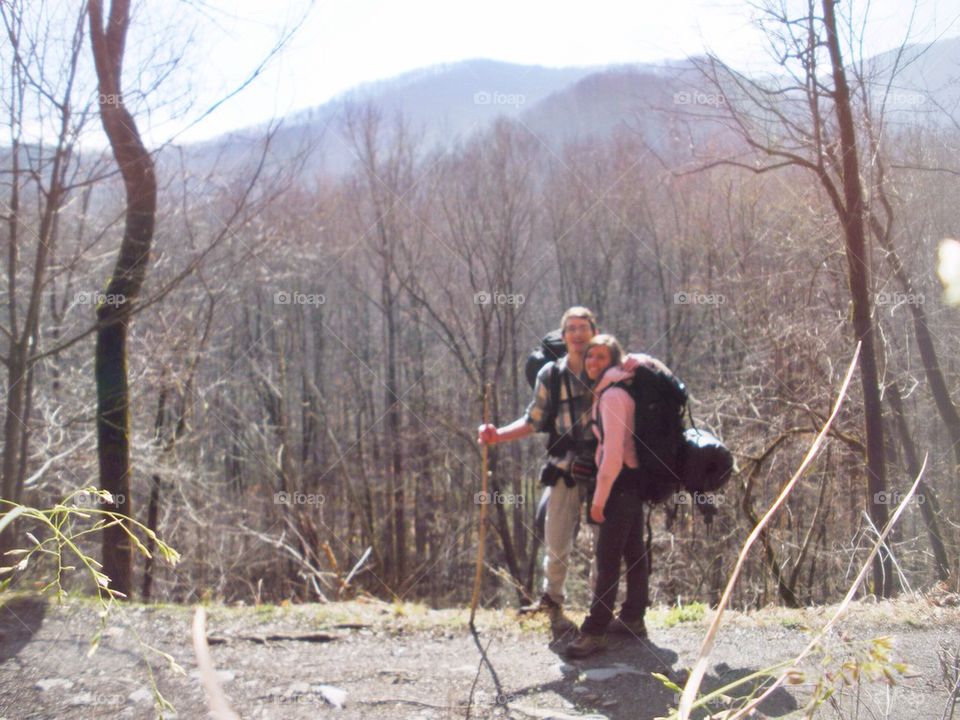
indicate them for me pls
(592, 457)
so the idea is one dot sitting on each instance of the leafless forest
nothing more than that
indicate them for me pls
(307, 353)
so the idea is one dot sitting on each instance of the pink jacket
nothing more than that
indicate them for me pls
(615, 408)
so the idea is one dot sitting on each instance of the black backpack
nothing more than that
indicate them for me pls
(707, 463)
(551, 348)
(660, 400)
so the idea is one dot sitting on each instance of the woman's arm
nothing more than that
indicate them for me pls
(634, 360)
(614, 411)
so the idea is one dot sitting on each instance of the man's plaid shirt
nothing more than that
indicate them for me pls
(580, 385)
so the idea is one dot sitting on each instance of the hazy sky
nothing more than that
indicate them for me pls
(342, 43)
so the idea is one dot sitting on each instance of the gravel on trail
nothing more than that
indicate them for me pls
(377, 660)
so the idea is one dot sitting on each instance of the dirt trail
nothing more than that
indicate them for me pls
(385, 661)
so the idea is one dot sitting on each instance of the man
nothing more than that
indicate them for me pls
(565, 416)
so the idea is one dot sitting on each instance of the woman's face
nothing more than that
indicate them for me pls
(597, 360)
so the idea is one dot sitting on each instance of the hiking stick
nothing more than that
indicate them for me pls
(484, 501)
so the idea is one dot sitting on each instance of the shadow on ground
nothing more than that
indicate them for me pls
(20, 619)
(618, 683)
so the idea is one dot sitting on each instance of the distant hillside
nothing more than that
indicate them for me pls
(447, 103)
(927, 80)
(441, 104)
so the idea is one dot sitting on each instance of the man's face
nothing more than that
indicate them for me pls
(576, 334)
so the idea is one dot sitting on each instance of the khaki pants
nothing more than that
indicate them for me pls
(563, 513)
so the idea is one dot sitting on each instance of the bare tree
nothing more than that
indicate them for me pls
(113, 392)
(387, 173)
(40, 92)
(791, 126)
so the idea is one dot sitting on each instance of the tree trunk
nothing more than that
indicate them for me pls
(852, 219)
(153, 508)
(12, 427)
(424, 510)
(153, 513)
(397, 497)
(927, 499)
(113, 312)
(928, 353)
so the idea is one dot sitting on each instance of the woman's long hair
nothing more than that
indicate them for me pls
(609, 342)
(614, 347)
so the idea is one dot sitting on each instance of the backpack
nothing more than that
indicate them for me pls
(707, 463)
(551, 348)
(670, 458)
(660, 400)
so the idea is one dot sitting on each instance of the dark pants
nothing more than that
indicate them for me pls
(621, 536)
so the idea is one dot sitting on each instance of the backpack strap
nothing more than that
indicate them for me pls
(599, 421)
(553, 403)
(574, 426)
(553, 396)
(648, 545)
(626, 385)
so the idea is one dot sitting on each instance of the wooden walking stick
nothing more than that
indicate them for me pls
(484, 501)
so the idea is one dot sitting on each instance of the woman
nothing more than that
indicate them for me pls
(616, 504)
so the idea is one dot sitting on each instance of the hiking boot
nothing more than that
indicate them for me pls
(586, 645)
(619, 626)
(545, 604)
(560, 624)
